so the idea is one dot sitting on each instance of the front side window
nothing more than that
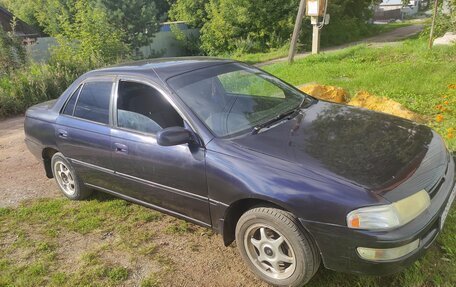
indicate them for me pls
(233, 98)
(93, 102)
(142, 108)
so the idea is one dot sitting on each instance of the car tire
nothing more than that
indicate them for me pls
(68, 181)
(276, 248)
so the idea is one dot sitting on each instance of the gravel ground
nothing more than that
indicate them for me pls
(21, 174)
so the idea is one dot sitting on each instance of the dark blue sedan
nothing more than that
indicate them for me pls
(294, 180)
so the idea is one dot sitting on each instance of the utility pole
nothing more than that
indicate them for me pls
(317, 9)
(315, 35)
(296, 31)
(431, 34)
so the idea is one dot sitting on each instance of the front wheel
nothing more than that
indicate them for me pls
(276, 248)
(67, 179)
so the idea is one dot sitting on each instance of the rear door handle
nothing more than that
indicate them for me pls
(121, 148)
(62, 134)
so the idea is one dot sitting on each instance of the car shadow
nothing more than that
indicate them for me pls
(325, 277)
(101, 196)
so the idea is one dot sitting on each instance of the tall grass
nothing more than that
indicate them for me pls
(31, 85)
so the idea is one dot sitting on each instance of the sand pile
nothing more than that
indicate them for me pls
(362, 99)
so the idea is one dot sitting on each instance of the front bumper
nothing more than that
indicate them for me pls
(338, 244)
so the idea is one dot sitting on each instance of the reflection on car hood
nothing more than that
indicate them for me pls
(369, 149)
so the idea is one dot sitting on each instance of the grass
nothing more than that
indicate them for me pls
(110, 254)
(254, 58)
(32, 84)
(282, 52)
(37, 237)
(422, 80)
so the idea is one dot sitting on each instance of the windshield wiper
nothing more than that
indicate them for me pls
(275, 119)
(290, 113)
(304, 100)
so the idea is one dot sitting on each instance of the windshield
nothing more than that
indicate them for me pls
(234, 98)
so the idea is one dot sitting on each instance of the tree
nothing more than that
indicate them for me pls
(85, 35)
(243, 26)
(138, 19)
(191, 11)
(247, 24)
(348, 22)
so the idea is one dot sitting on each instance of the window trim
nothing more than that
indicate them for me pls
(62, 110)
(152, 85)
(102, 78)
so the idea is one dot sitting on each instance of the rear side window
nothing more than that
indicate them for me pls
(93, 102)
(69, 108)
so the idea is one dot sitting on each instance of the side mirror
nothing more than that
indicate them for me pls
(174, 136)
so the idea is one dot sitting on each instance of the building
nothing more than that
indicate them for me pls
(395, 9)
(22, 30)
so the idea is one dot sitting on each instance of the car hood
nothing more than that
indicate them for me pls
(373, 150)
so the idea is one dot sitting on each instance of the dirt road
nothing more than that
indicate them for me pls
(21, 174)
(387, 38)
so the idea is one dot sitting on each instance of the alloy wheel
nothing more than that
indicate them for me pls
(64, 177)
(270, 251)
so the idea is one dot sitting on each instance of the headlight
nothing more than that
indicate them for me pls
(383, 217)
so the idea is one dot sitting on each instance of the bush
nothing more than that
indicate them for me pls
(31, 85)
(85, 35)
(340, 31)
(249, 26)
(86, 41)
(12, 53)
(137, 19)
(190, 41)
(252, 26)
(443, 22)
(191, 11)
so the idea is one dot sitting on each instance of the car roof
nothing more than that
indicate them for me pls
(162, 67)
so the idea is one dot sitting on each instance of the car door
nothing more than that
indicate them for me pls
(83, 131)
(171, 178)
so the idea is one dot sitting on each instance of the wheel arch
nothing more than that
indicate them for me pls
(47, 154)
(239, 207)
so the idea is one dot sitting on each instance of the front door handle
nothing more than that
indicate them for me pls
(121, 148)
(62, 134)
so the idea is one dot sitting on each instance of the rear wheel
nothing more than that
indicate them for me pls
(276, 248)
(67, 179)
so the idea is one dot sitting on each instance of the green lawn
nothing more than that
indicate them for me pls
(110, 242)
(36, 241)
(102, 241)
